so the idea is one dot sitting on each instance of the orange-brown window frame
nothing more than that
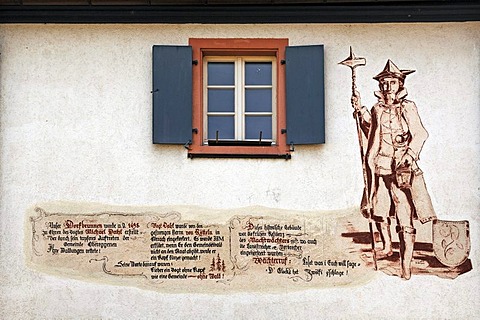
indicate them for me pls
(235, 47)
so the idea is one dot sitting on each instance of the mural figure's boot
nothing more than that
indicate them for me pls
(386, 237)
(407, 242)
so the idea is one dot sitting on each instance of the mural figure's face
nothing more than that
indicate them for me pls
(390, 85)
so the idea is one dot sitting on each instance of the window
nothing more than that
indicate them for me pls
(238, 97)
(239, 100)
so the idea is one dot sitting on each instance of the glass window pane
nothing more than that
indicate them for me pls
(258, 73)
(258, 100)
(253, 126)
(221, 73)
(225, 126)
(221, 100)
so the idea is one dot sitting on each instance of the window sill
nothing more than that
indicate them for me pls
(242, 151)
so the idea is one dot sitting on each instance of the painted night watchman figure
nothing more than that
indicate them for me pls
(394, 184)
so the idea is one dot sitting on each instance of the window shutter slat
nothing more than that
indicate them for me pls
(305, 95)
(172, 94)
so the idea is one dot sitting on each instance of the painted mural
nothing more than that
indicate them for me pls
(391, 136)
(171, 248)
(185, 249)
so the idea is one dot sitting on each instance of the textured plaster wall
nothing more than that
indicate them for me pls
(75, 121)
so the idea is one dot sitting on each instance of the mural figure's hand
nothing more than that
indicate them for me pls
(356, 101)
(406, 160)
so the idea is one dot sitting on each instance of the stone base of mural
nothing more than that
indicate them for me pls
(189, 249)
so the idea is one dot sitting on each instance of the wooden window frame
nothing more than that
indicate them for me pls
(237, 47)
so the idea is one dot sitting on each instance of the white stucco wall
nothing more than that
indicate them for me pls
(75, 114)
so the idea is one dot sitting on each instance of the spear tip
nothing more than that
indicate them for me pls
(352, 61)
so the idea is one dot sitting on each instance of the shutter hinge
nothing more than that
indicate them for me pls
(283, 131)
(283, 62)
(195, 62)
(156, 90)
(195, 130)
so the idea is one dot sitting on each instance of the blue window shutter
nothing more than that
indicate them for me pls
(305, 95)
(172, 94)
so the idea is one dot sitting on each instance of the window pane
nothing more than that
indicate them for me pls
(221, 100)
(258, 100)
(258, 73)
(221, 73)
(253, 126)
(223, 124)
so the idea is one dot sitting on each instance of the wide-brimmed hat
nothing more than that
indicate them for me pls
(391, 70)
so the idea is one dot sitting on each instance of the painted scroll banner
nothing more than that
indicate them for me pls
(193, 249)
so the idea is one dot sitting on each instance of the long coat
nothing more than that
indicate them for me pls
(371, 125)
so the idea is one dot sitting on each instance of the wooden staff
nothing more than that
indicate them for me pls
(352, 62)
